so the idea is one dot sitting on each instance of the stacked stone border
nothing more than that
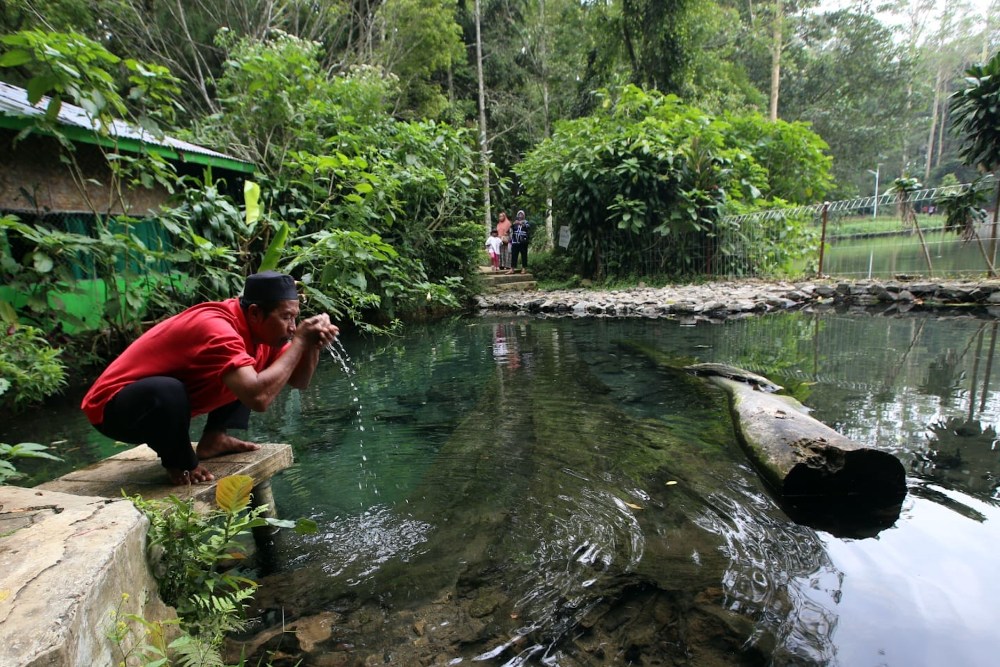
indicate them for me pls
(741, 298)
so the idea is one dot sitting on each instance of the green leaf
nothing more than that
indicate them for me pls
(274, 249)
(15, 58)
(306, 527)
(39, 86)
(251, 198)
(42, 262)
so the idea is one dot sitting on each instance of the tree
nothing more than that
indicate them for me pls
(649, 176)
(847, 76)
(964, 214)
(906, 186)
(975, 113)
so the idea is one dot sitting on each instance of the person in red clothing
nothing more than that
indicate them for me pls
(222, 358)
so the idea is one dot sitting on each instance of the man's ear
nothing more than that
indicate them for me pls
(254, 313)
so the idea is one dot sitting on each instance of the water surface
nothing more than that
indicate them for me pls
(508, 491)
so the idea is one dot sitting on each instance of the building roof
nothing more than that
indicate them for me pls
(16, 112)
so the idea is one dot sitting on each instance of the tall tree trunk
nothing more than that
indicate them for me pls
(993, 241)
(942, 123)
(938, 85)
(546, 121)
(776, 58)
(483, 144)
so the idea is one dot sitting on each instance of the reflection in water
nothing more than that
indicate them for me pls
(778, 573)
(537, 492)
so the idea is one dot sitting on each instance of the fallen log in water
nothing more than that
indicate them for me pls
(822, 478)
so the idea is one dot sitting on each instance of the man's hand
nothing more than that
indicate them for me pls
(317, 330)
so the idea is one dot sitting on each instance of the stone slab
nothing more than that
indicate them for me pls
(65, 563)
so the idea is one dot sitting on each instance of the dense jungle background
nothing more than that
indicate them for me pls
(385, 138)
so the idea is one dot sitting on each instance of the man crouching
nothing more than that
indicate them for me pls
(224, 358)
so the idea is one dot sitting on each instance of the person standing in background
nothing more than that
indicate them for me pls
(503, 231)
(520, 234)
(493, 248)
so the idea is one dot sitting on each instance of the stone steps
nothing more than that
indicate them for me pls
(501, 281)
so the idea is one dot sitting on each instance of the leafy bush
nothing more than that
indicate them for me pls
(24, 450)
(188, 552)
(555, 266)
(646, 182)
(30, 368)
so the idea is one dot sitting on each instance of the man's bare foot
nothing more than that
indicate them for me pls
(179, 477)
(217, 443)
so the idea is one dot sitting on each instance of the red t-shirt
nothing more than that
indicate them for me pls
(197, 346)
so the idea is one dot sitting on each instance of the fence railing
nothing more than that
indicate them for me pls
(766, 243)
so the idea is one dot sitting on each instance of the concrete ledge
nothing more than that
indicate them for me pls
(70, 548)
(65, 562)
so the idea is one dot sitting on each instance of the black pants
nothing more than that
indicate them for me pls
(156, 411)
(519, 249)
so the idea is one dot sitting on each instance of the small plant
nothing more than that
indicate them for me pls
(24, 450)
(153, 649)
(30, 369)
(191, 553)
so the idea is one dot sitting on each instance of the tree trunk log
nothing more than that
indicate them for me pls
(801, 457)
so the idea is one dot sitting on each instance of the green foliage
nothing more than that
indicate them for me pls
(964, 210)
(905, 186)
(792, 154)
(555, 267)
(153, 649)
(340, 172)
(69, 66)
(30, 368)
(848, 75)
(647, 181)
(24, 450)
(975, 116)
(189, 552)
(430, 45)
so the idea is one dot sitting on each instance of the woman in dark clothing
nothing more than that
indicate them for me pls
(520, 234)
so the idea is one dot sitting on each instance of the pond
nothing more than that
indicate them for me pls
(890, 255)
(510, 491)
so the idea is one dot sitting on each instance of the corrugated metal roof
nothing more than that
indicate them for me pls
(14, 102)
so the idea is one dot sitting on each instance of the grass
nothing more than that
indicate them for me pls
(866, 224)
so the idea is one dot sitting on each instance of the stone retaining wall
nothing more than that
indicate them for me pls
(722, 300)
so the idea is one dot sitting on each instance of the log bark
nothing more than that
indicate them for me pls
(800, 457)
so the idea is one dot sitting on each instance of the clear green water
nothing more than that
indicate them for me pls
(539, 491)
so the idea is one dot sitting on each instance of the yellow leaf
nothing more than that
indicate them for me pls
(635, 507)
(233, 492)
(4, 594)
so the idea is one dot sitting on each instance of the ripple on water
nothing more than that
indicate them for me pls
(778, 572)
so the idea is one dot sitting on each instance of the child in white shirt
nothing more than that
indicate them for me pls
(493, 245)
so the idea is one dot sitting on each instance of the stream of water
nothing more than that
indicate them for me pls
(543, 491)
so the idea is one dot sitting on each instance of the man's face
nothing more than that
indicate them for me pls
(278, 326)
